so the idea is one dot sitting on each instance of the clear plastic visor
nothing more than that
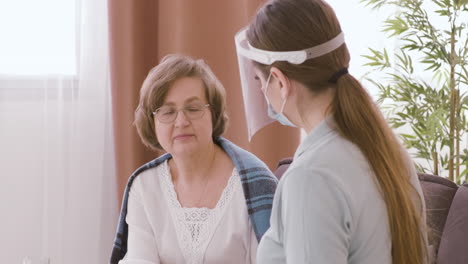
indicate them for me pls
(256, 108)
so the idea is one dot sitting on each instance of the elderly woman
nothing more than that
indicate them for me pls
(204, 201)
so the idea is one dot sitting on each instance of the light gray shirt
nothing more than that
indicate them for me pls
(327, 207)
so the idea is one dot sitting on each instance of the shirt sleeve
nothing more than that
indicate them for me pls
(142, 248)
(316, 219)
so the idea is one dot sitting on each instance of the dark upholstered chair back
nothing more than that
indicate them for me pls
(453, 247)
(438, 194)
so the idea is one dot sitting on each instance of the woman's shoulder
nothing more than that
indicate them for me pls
(246, 163)
(312, 177)
(150, 176)
(337, 157)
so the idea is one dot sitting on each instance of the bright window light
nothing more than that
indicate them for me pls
(37, 37)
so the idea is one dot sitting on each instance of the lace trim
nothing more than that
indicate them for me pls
(196, 226)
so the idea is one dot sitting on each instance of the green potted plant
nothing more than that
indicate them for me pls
(430, 115)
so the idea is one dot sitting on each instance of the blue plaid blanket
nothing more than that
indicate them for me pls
(258, 184)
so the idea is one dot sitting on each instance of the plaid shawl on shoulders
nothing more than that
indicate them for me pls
(258, 184)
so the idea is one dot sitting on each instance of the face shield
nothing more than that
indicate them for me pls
(256, 109)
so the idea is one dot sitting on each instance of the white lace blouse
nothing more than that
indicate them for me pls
(161, 231)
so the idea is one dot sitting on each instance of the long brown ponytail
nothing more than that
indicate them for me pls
(284, 25)
(363, 124)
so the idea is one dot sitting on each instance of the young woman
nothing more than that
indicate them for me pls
(351, 194)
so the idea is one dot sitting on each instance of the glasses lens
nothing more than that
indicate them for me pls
(166, 114)
(194, 111)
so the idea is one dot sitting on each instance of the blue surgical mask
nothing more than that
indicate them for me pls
(280, 117)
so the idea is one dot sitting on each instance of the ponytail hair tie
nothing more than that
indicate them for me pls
(338, 75)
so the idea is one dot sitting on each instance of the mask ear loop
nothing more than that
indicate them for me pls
(283, 105)
(266, 88)
(267, 82)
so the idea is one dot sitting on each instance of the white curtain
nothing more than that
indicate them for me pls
(58, 199)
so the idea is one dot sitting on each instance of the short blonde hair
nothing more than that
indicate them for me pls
(157, 84)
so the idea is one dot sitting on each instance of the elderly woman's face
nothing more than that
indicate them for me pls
(183, 123)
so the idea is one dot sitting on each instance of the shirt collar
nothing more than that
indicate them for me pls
(323, 128)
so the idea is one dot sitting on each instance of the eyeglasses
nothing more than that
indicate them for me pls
(167, 114)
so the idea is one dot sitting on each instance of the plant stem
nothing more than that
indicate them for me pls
(452, 105)
(436, 162)
(457, 138)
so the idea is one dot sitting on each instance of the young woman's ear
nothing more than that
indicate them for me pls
(284, 82)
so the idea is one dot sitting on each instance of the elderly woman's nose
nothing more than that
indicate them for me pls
(181, 119)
